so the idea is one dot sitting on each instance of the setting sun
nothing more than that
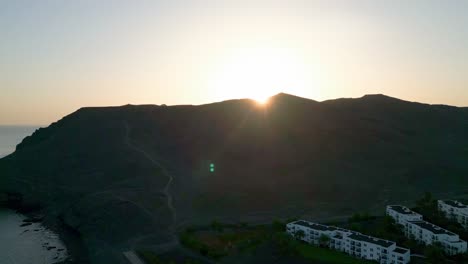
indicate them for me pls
(150, 128)
(258, 73)
(261, 101)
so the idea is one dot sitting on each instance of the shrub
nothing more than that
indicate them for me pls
(278, 226)
(217, 226)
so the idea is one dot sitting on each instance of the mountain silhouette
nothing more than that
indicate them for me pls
(129, 177)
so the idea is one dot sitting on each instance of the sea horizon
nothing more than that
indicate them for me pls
(12, 135)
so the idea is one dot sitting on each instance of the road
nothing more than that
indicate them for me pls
(133, 257)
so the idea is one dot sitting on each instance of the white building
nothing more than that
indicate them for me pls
(402, 214)
(454, 210)
(350, 242)
(425, 232)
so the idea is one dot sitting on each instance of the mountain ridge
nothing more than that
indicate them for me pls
(290, 157)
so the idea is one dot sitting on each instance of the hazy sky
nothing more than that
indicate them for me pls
(57, 56)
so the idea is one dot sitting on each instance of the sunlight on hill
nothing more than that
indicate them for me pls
(258, 73)
(262, 101)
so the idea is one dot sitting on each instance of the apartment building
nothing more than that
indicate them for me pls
(454, 210)
(350, 242)
(415, 227)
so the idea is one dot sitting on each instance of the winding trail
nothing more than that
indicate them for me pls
(131, 256)
(166, 190)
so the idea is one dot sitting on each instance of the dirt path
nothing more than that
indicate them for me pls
(130, 255)
(166, 190)
(133, 257)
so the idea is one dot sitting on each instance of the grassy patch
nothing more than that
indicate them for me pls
(328, 256)
(151, 258)
(216, 242)
(222, 240)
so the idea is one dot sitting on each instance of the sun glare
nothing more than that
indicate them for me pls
(261, 73)
(261, 101)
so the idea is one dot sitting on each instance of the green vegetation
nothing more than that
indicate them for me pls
(427, 206)
(243, 224)
(217, 226)
(288, 246)
(386, 228)
(415, 145)
(357, 217)
(223, 239)
(190, 240)
(220, 240)
(278, 226)
(285, 245)
(299, 235)
(325, 255)
(434, 254)
(324, 240)
(151, 258)
(382, 227)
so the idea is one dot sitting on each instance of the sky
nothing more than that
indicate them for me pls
(58, 56)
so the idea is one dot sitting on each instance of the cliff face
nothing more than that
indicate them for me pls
(127, 177)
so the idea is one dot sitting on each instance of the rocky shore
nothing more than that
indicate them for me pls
(35, 218)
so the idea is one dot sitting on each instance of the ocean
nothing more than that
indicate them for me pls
(20, 243)
(28, 244)
(10, 136)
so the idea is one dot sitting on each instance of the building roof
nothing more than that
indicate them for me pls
(455, 242)
(454, 203)
(338, 235)
(315, 226)
(431, 227)
(373, 240)
(400, 250)
(347, 233)
(402, 209)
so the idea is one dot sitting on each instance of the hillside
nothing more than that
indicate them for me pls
(129, 177)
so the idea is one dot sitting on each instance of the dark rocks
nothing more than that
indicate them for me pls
(33, 220)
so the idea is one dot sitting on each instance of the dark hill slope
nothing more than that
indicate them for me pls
(105, 171)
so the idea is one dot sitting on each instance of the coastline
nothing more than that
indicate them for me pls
(77, 252)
